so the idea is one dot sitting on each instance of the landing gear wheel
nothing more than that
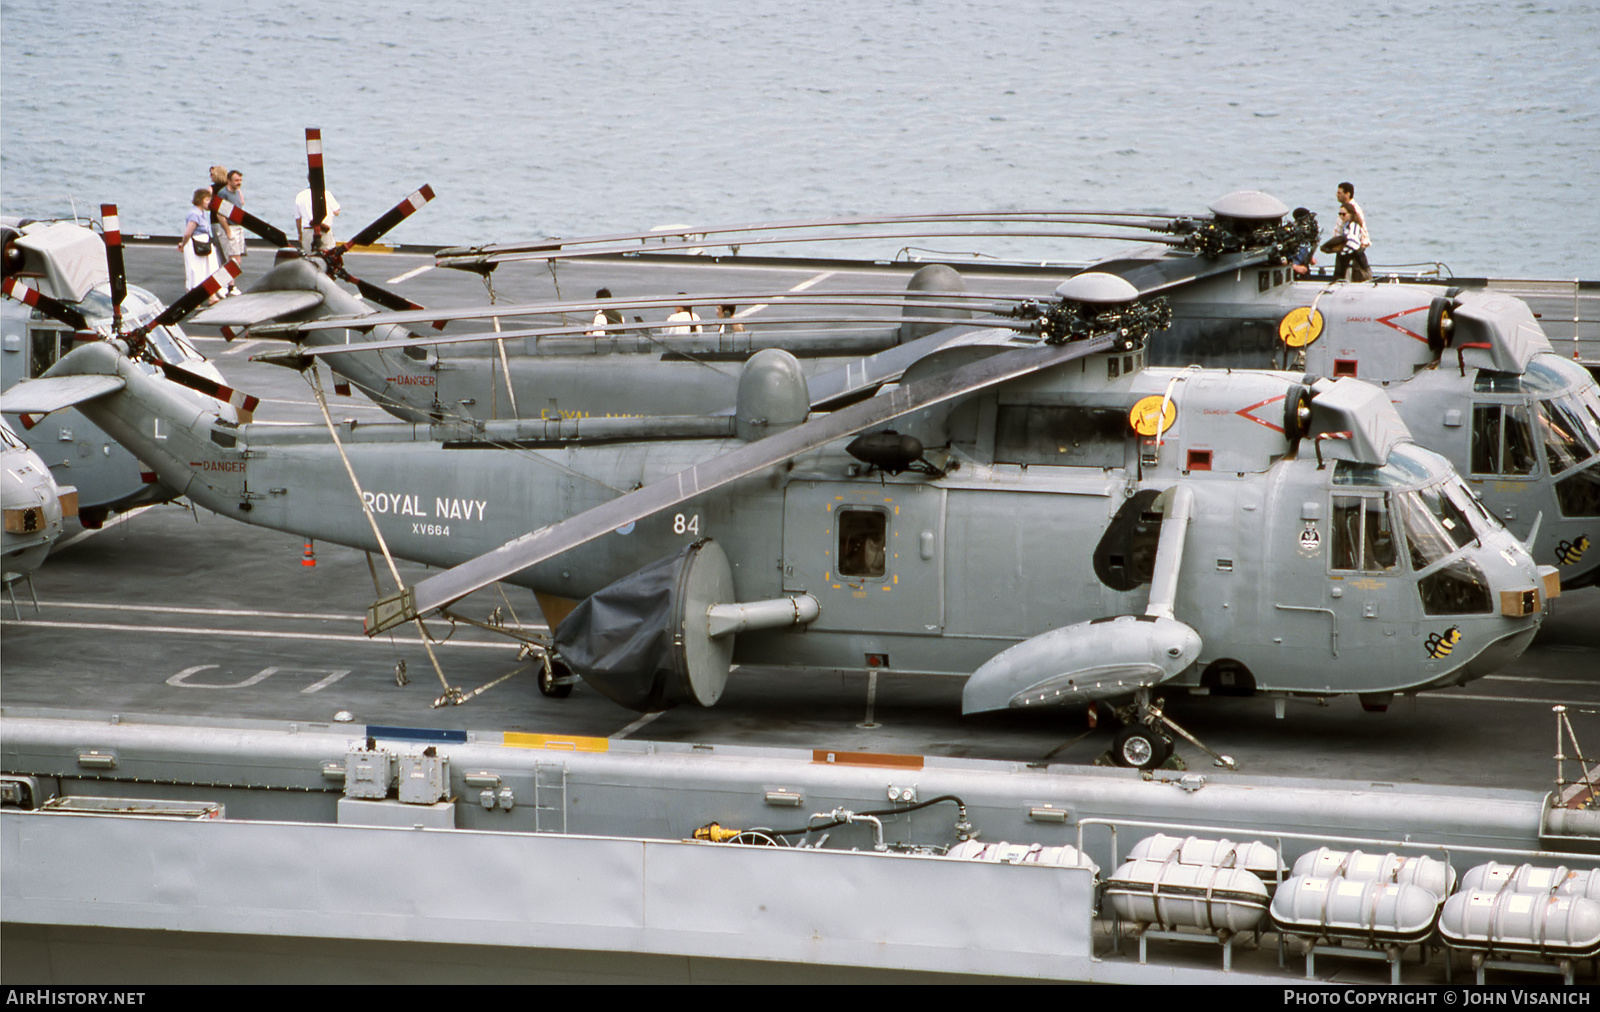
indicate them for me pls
(1140, 747)
(555, 680)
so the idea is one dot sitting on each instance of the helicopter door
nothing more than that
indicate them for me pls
(870, 553)
(1503, 449)
(1364, 563)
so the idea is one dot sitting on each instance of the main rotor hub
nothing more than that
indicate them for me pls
(1247, 219)
(1094, 304)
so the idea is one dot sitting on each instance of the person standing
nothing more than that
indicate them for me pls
(199, 259)
(1305, 254)
(604, 316)
(233, 235)
(686, 320)
(304, 226)
(1346, 194)
(1350, 260)
(725, 312)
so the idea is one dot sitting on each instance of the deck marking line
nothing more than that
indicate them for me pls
(248, 634)
(802, 286)
(90, 532)
(636, 725)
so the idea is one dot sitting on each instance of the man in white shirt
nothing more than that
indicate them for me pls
(1346, 194)
(684, 316)
(302, 219)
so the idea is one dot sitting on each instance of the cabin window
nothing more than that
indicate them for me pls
(1502, 439)
(1069, 437)
(1363, 534)
(47, 348)
(863, 543)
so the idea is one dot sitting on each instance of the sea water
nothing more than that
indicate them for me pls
(1471, 130)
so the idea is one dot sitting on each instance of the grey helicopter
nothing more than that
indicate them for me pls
(35, 508)
(65, 284)
(1522, 423)
(1047, 519)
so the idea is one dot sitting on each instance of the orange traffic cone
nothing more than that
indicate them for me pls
(310, 557)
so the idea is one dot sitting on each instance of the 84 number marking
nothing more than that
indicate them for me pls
(686, 524)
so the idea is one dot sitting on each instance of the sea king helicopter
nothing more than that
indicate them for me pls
(1037, 513)
(34, 507)
(67, 284)
(1472, 373)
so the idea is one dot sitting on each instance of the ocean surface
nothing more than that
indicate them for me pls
(1471, 130)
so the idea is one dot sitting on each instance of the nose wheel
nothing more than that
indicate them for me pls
(1144, 743)
(1140, 747)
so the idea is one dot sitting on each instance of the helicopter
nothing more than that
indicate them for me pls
(1235, 303)
(82, 294)
(1048, 519)
(1472, 374)
(34, 505)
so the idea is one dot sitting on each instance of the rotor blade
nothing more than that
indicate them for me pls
(319, 202)
(974, 301)
(565, 250)
(392, 217)
(189, 301)
(53, 308)
(691, 235)
(641, 337)
(232, 213)
(388, 299)
(111, 223)
(245, 403)
(444, 588)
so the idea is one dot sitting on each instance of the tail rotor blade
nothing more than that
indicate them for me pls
(53, 308)
(394, 216)
(112, 224)
(319, 202)
(236, 215)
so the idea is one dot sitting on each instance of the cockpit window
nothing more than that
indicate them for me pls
(1434, 525)
(1408, 464)
(1363, 534)
(1571, 431)
(1502, 439)
(1456, 588)
(1579, 493)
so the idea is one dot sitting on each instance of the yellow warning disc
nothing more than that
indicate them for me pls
(1300, 327)
(1148, 418)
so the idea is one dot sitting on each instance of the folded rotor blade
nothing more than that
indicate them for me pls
(188, 302)
(319, 202)
(442, 589)
(53, 308)
(392, 217)
(236, 215)
(246, 404)
(384, 297)
(111, 223)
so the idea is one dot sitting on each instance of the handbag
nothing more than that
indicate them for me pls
(202, 246)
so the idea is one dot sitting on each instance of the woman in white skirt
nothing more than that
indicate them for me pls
(198, 265)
